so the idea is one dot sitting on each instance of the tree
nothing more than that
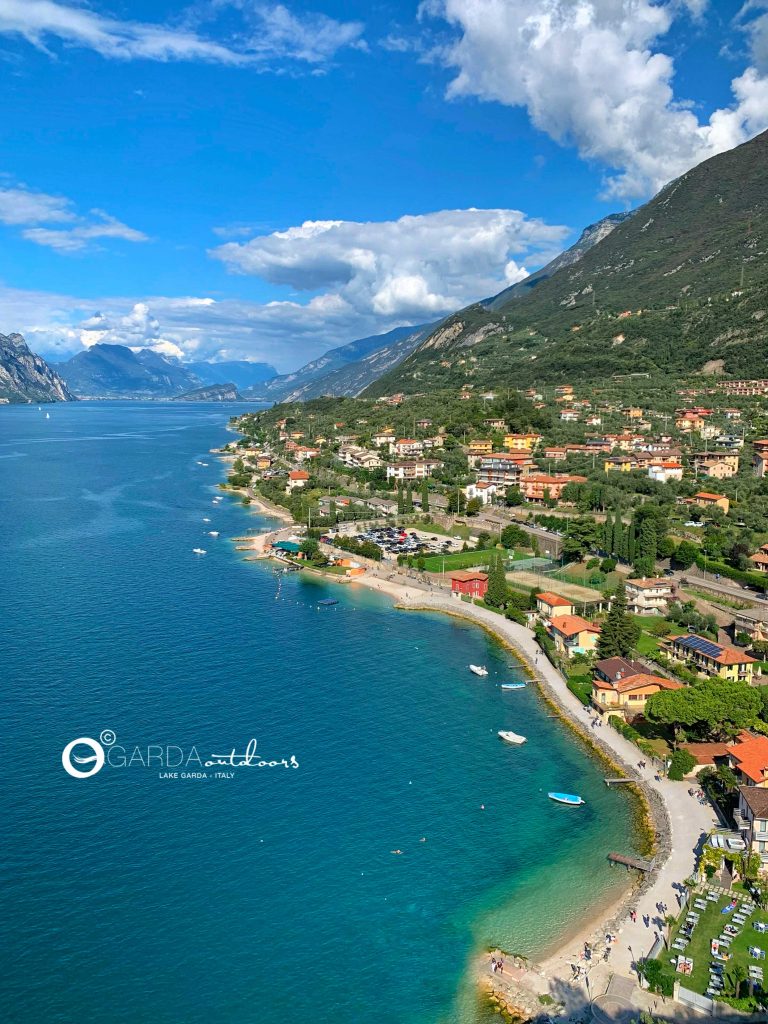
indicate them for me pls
(310, 548)
(717, 708)
(686, 554)
(618, 633)
(424, 496)
(581, 534)
(473, 506)
(409, 498)
(682, 762)
(400, 499)
(738, 975)
(513, 496)
(498, 591)
(513, 536)
(456, 500)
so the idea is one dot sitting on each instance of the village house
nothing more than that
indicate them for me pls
(495, 424)
(383, 439)
(406, 448)
(485, 492)
(752, 621)
(468, 583)
(263, 461)
(550, 605)
(296, 478)
(620, 464)
(476, 449)
(760, 559)
(573, 635)
(748, 760)
(417, 469)
(759, 458)
(358, 458)
(521, 442)
(710, 658)
(423, 424)
(540, 486)
(719, 466)
(663, 472)
(627, 695)
(555, 453)
(649, 596)
(430, 443)
(303, 454)
(752, 820)
(705, 499)
(570, 415)
(689, 423)
(744, 388)
(503, 469)
(732, 414)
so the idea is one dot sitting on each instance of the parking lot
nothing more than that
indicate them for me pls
(395, 541)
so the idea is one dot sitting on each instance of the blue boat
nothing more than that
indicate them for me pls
(566, 798)
(513, 686)
(327, 601)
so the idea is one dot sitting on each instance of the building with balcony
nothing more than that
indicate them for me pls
(418, 469)
(648, 596)
(751, 819)
(627, 696)
(503, 469)
(573, 635)
(550, 605)
(710, 658)
(468, 583)
(539, 486)
(748, 759)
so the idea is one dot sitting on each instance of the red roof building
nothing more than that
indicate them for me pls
(468, 583)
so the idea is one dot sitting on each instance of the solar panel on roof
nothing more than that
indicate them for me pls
(705, 647)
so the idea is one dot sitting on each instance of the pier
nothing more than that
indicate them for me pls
(616, 782)
(630, 862)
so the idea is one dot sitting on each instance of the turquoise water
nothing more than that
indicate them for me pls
(272, 897)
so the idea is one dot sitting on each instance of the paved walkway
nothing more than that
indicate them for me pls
(689, 820)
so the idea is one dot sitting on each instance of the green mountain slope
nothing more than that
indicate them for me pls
(679, 259)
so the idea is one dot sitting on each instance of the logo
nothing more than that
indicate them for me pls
(84, 757)
(96, 758)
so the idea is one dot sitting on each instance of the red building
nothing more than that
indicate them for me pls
(469, 583)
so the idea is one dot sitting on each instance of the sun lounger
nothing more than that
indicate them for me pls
(761, 926)
(712, 897)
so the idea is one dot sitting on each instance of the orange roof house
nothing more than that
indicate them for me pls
(628, 695)
(705, 499)
(573, 635)
(549, 604)
(749, 759)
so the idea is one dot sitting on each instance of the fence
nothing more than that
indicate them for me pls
(532, 564)
(703, 1004)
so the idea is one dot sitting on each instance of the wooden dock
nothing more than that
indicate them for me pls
(616, 782)
(630, 862)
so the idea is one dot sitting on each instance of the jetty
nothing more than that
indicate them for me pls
(617, 781)
(638, 863)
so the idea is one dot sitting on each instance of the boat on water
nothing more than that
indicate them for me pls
(479, 670)
(47, 415)
(213, 533)
(199, 551)
(201, 463)
(513, 686)
(206, 519)
(571, 799)
(328, 601)
(511, 737)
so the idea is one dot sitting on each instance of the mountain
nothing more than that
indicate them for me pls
(685, 273)
(237, 371)
(305, 382)
(211, 393)
(25, 377)
(114, 371)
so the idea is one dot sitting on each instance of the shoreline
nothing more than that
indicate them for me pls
(673, 824)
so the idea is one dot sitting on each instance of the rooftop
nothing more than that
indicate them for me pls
(555, 600)
(751, 757)
(570, 625)
(756, 800)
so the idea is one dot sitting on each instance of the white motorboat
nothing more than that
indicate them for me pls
(479, 670)
(199, 551)
(513, 686)
(511, 737)
(206, 519)
(213, 533)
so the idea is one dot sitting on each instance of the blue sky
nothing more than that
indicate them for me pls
(229, 178)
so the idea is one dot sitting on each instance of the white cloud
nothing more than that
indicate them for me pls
(753, 20)
(20, 205)
(266, 32)
(588, 74)
(417, 266)
(34, 212)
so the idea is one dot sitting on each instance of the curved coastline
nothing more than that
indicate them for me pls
(672, 825)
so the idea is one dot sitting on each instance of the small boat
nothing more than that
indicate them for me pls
(566, 798)
(513, 686)
(479, 670)
(213, 533)
(47, 415)
(201, 463)
(328, 601)
(511, 737)
(206, 519)
(199, 551)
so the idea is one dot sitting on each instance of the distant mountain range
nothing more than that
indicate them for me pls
(211, 393)
(25, 377)
(343, 371)
(686, 274)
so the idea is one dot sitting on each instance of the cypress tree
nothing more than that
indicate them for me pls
(498, 592)
(424, 496)
(618, 634)
(400, 499)
(618, 538)
(608, 534)
(631, 542)
(409, 498)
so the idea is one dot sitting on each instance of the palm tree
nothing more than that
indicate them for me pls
(738, 975)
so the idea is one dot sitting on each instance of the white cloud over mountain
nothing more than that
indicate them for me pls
(358, 279)
(590, 74)
(35, 212)
(416, 266)
(265, 32)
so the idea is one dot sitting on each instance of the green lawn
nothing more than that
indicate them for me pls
(466, 559)
(709, 927)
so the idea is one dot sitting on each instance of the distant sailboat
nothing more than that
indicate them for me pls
(213, 533)
(47, 415)
(199, 551)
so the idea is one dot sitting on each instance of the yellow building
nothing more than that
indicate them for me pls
(480, 447)
(619, 464)
(521, 442)
(628, 696)
(711, 658)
